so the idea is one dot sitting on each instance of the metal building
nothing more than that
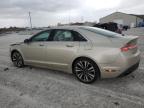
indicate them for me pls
(131, 20)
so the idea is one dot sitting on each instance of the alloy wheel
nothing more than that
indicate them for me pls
(85, 71)
(17, 59)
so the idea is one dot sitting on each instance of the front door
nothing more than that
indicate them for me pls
(35, 50)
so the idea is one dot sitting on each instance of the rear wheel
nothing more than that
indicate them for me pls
(85, 70)
(17, 59)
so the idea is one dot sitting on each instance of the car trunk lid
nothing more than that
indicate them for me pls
(126, 43)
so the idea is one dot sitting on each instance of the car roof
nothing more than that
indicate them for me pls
(67, 27)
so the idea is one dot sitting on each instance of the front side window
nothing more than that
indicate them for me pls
(41, 37)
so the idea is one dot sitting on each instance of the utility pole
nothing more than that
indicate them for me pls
(30, 20)
(82, 18)
(69, 17)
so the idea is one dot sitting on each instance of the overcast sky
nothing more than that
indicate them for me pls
(50, 12)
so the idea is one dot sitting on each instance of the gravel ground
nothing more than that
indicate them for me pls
(32, 87)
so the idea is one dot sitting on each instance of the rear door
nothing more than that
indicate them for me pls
(61, 49)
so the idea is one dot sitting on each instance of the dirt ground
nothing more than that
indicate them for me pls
(32, 87)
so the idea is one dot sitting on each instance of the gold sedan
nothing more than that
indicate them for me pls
(90, 53)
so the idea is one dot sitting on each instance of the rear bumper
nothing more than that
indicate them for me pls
(124, 65)
(130, 70)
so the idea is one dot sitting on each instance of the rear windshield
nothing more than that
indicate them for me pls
(102, 32)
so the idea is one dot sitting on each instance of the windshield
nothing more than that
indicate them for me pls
(102, 32)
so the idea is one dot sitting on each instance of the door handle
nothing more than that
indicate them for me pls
(69, 46)
(41, 45)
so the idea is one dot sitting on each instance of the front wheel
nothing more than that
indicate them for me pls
(85, 70)
(17, 59)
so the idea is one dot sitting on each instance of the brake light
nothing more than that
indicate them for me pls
(128, 47)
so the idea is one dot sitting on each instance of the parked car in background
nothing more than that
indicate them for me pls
(87, 52)
(141, 24)
(111, 26)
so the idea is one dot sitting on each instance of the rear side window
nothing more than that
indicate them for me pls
(63, 35)
(67, 35)
(78, 36)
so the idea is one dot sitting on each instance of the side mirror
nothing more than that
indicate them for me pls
(26, 41)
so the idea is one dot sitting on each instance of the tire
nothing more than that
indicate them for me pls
(17, 59)
(86, 70)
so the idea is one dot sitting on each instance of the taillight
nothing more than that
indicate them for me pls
(128, 47)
